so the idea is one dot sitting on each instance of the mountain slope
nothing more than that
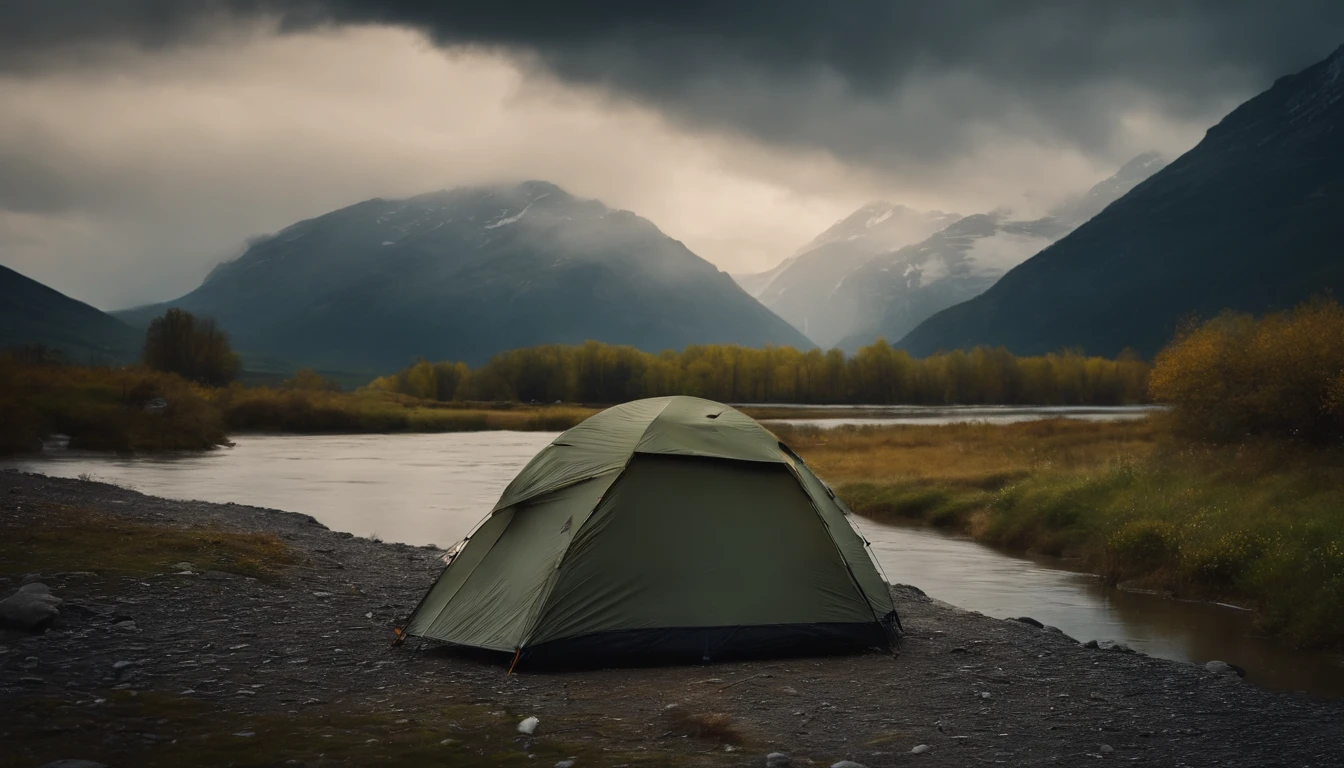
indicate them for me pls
(1250, 220)
(32, 313)
(799, 288)
(894, 292)
(466, 273)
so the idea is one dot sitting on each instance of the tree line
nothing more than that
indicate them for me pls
(594, 372)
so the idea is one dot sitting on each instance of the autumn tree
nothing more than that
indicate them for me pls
(192, 347)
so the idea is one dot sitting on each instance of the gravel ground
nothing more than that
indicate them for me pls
(313, 645)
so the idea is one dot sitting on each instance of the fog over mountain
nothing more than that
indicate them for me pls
(882, 270)
(466, 273)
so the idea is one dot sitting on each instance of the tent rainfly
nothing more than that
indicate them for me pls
(672, 528)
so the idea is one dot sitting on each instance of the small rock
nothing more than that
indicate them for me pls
(986, 695)
(777, 760)
(1031, 621)
(1106, 749)
(34, 588)
(446, 742)
(246, 734)
(1111, 645)
(566, 764)
(321, 594)
(921, 748)
(1222, 668)
(128, 625)
(529, 726)
(848, 764)
(184, 566)
(120, 665)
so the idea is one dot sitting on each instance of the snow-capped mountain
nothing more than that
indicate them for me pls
(798, 288)
(466, 273)
(1249, 220)
(893, 292)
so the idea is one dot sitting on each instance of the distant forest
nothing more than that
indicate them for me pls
(878, 374)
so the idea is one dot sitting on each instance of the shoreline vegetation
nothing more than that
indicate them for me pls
(1233, 493)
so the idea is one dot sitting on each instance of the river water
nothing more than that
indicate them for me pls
(433, 489)
(877, 415)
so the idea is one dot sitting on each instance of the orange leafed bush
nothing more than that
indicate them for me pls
(1236, 376)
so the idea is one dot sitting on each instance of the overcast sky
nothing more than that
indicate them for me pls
(143, 141)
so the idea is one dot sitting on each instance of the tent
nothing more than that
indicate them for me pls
(672, 528)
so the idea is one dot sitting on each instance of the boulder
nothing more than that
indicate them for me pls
(32, 609)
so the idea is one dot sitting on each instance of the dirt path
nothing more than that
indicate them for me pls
(215, 668)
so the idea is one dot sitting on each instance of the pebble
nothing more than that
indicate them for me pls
(246, 734)
(777, 760)
(848, 764)
(566, 764)
(1106, 749)
(529, 726)
(919, 749)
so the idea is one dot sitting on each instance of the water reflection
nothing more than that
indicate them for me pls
(432, 489)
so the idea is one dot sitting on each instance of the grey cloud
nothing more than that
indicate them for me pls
(883, 81)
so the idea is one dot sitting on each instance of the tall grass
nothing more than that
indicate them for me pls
(104, 408)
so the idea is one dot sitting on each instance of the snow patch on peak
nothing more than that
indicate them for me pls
(879, 218)
(509, 219)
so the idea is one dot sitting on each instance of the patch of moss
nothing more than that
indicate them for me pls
(64, 538)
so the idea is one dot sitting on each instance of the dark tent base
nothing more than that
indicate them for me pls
(703, 645)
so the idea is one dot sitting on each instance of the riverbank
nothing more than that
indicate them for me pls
(1255, 524)
(230, 662)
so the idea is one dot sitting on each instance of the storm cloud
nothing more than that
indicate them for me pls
(150, 137)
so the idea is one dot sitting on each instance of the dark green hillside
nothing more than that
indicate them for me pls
(32, 313)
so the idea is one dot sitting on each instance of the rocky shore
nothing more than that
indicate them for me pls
(185, 663)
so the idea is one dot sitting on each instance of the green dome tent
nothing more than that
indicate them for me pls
(668, 528)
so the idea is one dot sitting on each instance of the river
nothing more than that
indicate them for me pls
(432, 489)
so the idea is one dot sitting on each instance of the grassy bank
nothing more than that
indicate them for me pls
(1260, 524)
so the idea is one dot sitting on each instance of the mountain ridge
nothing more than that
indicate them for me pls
(1247, 220)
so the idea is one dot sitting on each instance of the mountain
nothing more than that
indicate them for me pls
(799, 288)
(32, 313)
(1249, 220)
(893, 292)
(466, 273)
